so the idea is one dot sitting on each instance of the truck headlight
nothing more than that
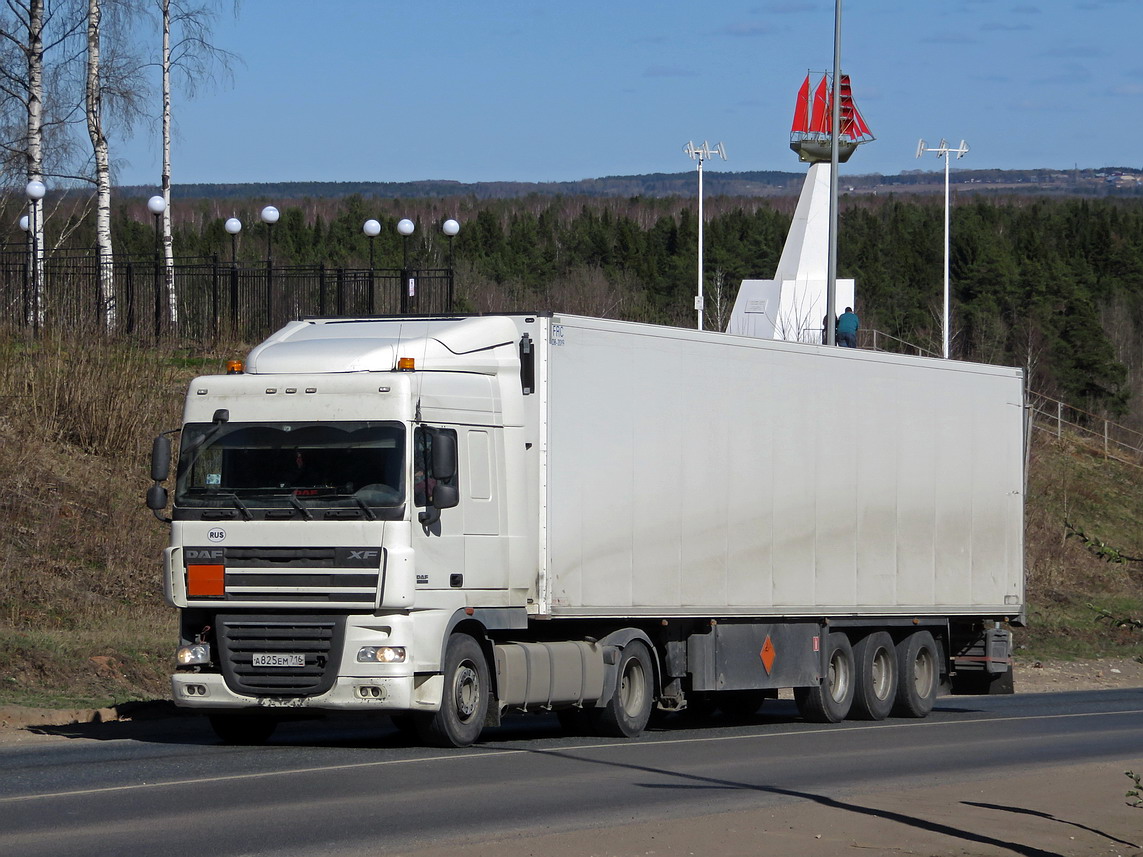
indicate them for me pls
(189, 656)
(381, 655)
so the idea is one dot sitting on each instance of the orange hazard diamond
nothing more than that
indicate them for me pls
(767, 654)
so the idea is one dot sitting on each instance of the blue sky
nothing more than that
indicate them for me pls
(379, 90)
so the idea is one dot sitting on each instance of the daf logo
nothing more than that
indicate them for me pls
(200, 554)
(362, 555)
(216, 534)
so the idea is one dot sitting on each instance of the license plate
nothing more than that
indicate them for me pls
(279, 659)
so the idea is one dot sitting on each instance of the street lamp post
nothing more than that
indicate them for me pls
(408, 283)
(943, 151)
(450, 228)
(372, 229)
(35, 191)
(233, 226)
(157, 205)
(26, 225)
(700, 154)
(829, 321)
(269, 216)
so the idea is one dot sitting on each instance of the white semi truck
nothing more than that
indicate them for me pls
(446, 519)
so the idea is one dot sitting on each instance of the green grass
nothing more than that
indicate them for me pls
(123, 661)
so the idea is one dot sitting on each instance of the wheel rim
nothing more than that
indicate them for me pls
(923, 673)
(633, 687)
(839, 676)
(882, 673)
(466, 690)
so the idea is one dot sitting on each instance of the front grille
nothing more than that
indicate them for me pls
(295, 575)
(317, 638)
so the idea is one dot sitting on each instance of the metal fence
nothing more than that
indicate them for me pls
(203, 300)
(1095, 432)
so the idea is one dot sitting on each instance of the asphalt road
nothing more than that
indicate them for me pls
(349, 787)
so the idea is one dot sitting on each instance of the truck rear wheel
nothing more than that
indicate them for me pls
(464, 702)
(248, 729)
(627, 712)
(918, 675)
(875, 658)
(829, 701)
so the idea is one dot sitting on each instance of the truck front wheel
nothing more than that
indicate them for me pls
(918, 675)
(464, 704)
(627, 712)
(829, 701)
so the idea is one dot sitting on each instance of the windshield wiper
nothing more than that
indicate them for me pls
(297, 504)
(239, 505)
(369, 516)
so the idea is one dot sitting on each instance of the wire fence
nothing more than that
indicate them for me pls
(202, 300)
(1097, 433)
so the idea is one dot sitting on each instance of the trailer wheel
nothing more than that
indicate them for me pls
(875, 658)
(629, 708)
(464, 703)
(245, 729)
(918, 674)
(829, 701)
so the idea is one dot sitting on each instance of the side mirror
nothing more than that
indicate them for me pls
(156, 498)
(444, 457)
(445, 496)
(160, 470)
(161, 458)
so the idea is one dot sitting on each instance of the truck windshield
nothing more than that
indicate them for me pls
(356, 465)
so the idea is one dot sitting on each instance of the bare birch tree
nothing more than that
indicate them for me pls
(197, 60)
(113, 88)
(94, 102)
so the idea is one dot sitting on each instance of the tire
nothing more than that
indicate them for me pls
(740, 704)
(464, 701)
(629, 708)
(829, 701)
(875, 693)
(918, 675)
(243, 729)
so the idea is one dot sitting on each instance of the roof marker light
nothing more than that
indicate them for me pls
(406, 364)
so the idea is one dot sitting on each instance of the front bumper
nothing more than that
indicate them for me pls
(208, 692)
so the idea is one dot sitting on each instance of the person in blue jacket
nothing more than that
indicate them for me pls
(847, 324)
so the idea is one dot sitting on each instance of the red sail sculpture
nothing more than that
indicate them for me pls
(813, 121)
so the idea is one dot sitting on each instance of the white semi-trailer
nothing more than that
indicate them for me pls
(446, 519)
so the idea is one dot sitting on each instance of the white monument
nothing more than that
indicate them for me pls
(792, 305)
